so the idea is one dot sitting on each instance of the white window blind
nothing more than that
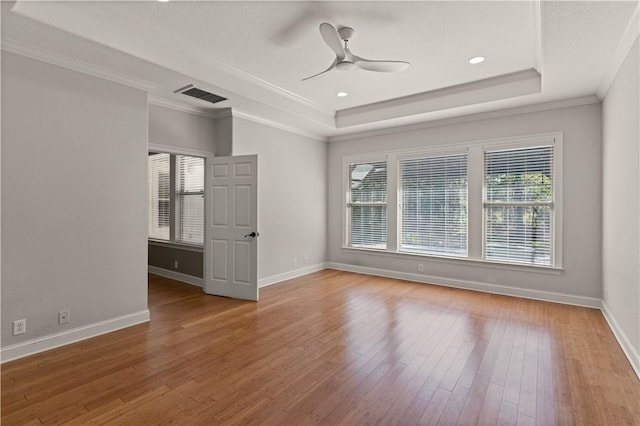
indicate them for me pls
(176, 198)
(367, 205)
(434, 205)
(189, 199)
(158, 196)
(518, 205)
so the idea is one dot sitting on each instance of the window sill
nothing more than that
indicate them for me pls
(554, 270)
(173, 244)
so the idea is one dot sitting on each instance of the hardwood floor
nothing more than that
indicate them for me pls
(334, 348)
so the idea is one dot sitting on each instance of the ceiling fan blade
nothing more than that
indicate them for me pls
(380, 66)
(332, 66)
(330, 36)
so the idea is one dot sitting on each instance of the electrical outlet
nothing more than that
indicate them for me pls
(304, 260)
(63, 317)
(19, 327)
(420, 267)
(175, 264)
(294, 261)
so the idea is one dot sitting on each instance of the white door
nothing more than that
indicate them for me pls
(231, 246)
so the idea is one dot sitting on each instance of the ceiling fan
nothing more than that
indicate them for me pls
(345, 60)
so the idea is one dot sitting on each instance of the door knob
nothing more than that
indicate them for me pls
(252, 235)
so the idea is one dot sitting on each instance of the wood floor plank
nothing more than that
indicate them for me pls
(334, 348)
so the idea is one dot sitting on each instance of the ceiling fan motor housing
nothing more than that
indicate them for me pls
(345, 33)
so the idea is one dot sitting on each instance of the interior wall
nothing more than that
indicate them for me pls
(190, 261)
(621, 200)
(224, 135)
(292, 191)
(74, 155)
(180, 129)
(581, 127)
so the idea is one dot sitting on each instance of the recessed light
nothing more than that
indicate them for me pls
(476, 60)
(341, 94)
(163, 1)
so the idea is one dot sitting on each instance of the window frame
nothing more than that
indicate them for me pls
(475, 199)
(431, 153)
(173, 152)
(347, 162)
(555, 244)
(180, 196)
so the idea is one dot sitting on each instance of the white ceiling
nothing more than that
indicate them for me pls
(256, 54)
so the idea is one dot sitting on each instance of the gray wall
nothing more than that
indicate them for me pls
(190, 261)
(621, 200)
(74, 154)
(582, 254)
(181, 130)
(292, 193)
(224, 135)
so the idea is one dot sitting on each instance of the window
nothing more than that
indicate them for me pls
(190, 199)
(176, 198)
(367, 205)
(494, 201)
(434, 205)
(159, 196)
(518, 205)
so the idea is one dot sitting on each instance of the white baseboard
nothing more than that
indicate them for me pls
(274, 279)
(548, 296)
(262, 282)
(41, 344)
(178, 276)
(623, 340)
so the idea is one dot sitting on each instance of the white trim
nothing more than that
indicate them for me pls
(189, 109)
(620, 54)
(277, 125)
(177, 150)
(510, 85)
(174, 49)
(220, 65)
(472, 148)
(457, 261)
(555, 140)
(439, 151)
(536, 29)
(525, 293)
(630, 352)
(176, 245)
(49, 57)
(274, 279)
(41, 344)
(178, 276)
(347, 161)
(476, 85)
(507, 112)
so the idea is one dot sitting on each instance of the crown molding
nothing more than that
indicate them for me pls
(250, 78)
(189, 109)
(243, 75)
(135, 25)
(239, 114)
(629, 36)
(506, 112)
(159, 48)
(504, 86)
(13, 46)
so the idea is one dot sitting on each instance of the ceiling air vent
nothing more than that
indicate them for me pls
(194, 92)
